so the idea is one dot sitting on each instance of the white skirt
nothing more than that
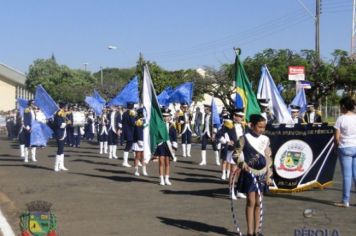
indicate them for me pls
(137, 148)
(229, 158)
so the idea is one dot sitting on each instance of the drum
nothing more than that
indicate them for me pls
(78, 118)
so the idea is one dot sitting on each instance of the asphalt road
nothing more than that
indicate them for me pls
(98, 196)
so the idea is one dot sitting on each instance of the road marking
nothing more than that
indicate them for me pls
(5, 227)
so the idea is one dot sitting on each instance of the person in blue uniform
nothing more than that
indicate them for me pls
(60, 123)
(208, 135)
(90, 125)
(103, 131)
(22, 138)
(69, 127)
(295, 114)
(265, 111)
(229, 136)
(164, 152)
(253, 155)
(185, 120)
(312, 115)
(138, 143)
(128, 128)
(114, 128)
(29, 116)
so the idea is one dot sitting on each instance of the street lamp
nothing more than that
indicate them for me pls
(85, 66)
(101, 76)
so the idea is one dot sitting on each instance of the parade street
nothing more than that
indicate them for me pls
(98, 196)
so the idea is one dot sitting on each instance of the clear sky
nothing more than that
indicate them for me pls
(177, 34)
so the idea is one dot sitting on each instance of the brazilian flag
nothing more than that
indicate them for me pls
(245, 97)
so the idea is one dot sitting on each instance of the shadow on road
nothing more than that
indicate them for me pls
(93, 162)
(116, 178)
(195, 226)
(300, 198)
(213, 193)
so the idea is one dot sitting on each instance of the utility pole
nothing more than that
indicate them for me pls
(101, 76)
(353, 36)
(317, 29)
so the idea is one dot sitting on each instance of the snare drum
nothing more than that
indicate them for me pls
(78, 118)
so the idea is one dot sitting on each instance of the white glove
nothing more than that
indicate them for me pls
(175, 145)
(63, 125)
(140, 143)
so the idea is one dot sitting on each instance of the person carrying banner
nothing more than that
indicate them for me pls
(138, 143)
(253, 156)
(164, 153)
(128, 128)
(312, 116)
(29, 116)
(185, 120)
(60, 122)
(208, 135)
(103, 132)
(295, 114)
(114, 124)
(345, 141)
(265, 112)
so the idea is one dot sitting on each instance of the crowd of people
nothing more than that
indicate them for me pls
(241, 149)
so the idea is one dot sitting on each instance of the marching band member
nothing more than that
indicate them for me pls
(312, 116)
(69, 127)
(76, 131)
(229, 138)
(60, 123)
(253, 155)
(103, 132)
(172, 132)
(265, 112)
(295, 114)
(208, 134)
(128, 127)
(22, 138)
(138, 143)
(90, 126)
(114, 123)
(164, 153)
(186, 130)
(29, 116)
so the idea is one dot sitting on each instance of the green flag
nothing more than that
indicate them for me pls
(155, 130)
(245, 97)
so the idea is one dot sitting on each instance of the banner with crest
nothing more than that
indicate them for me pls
(303, 157)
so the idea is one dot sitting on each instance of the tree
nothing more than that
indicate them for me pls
(61, 82)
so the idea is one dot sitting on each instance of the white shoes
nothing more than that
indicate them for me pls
(167, 180)
(144, 171)
(241, 195)
(223, 177)
(162, 180)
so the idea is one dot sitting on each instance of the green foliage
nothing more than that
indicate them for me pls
(61, 82)
(114, 79)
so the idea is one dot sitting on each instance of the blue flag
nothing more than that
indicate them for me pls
(98, 97)
(22, 104)
(45, 102)
(300, 100)
(95, 104)
(40, 133)
(164, 97)
(215, 115)
(128, 94)
(183, 93)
